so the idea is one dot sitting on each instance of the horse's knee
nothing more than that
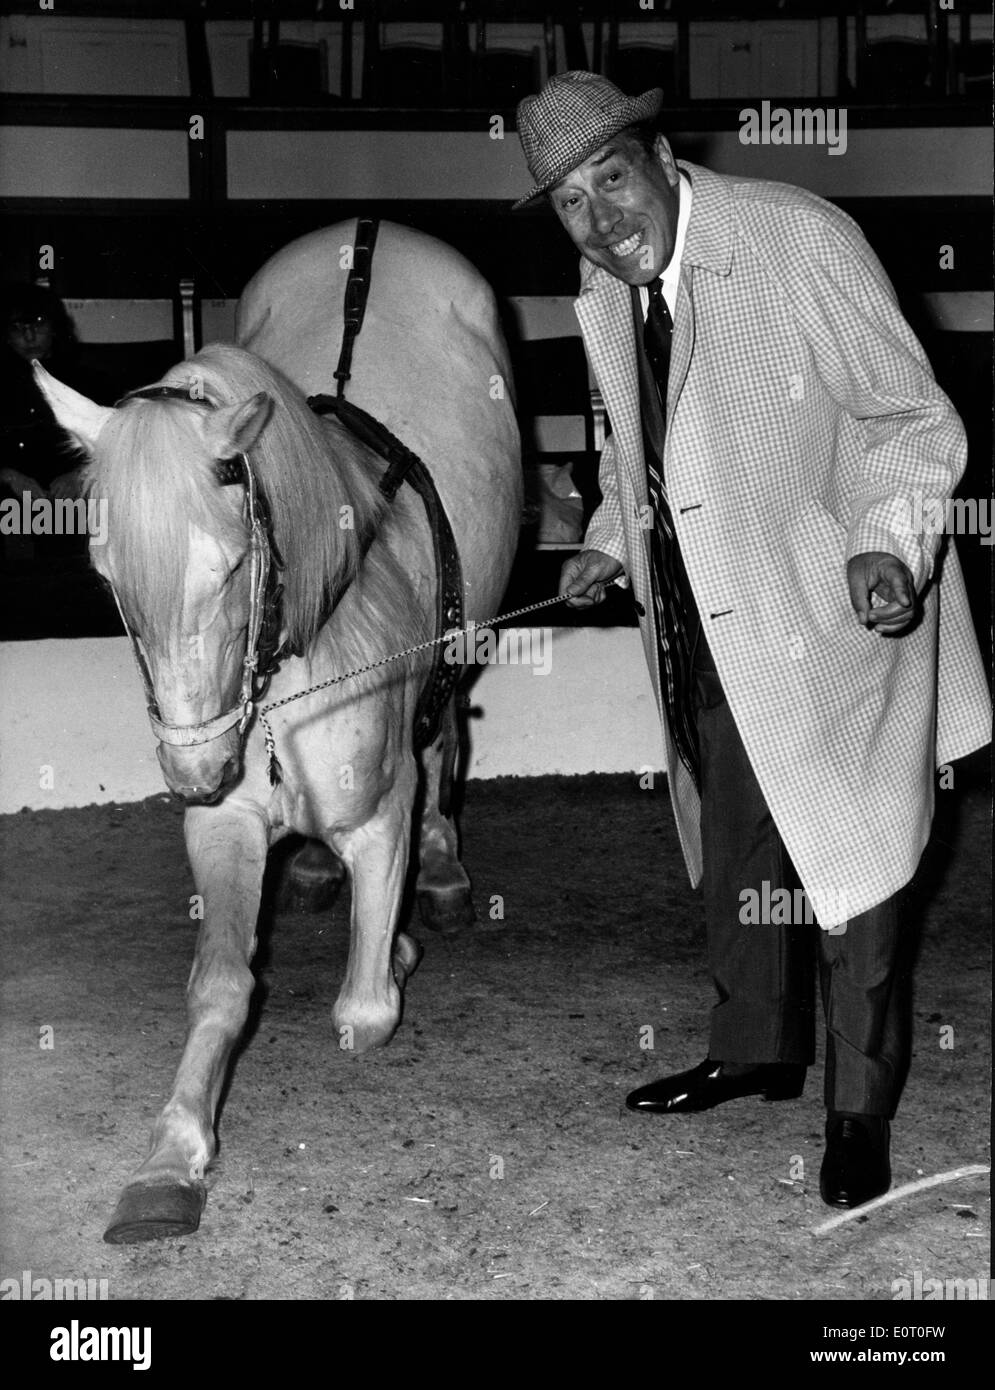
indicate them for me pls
(219, 994)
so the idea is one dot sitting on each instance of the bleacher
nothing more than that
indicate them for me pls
(310, 114)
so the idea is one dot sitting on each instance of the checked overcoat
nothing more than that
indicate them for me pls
(803, 421)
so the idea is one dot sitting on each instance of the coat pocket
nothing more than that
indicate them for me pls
(816, 561)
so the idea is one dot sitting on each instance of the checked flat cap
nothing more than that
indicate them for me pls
(572, 117)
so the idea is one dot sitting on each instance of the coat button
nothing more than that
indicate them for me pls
(639, 608)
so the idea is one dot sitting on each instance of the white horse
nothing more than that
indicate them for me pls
(184, 562)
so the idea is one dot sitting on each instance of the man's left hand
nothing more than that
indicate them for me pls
(876, 572)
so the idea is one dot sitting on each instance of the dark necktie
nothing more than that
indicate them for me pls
(671, 590)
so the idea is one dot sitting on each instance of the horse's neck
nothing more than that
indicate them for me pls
(378, 610)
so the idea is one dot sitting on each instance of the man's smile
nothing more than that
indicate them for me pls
(628, 246)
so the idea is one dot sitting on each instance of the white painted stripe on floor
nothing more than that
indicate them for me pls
(77, 708)
(963, 311)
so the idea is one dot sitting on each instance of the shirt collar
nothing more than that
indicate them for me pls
(672, 274)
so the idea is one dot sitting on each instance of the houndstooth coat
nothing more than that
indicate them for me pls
(802, 418)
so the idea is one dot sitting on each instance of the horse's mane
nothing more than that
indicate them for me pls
(151, 466)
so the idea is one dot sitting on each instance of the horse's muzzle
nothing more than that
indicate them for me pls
(199, 776)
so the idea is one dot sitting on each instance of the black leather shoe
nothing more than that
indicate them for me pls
(856, 1167)
(709, 1084)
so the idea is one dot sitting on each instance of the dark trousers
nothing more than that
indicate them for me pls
(764, 973)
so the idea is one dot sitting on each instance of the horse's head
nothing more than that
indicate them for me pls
(186, 566)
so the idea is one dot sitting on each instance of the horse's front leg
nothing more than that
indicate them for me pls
(368, 1008)
(227, 848)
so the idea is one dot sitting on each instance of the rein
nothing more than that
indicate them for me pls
(273, 762)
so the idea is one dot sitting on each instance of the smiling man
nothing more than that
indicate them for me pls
(773, 419)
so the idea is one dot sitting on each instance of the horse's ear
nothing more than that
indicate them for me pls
(233, 429)
(81, 417)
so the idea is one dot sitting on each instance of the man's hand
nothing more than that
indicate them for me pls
(19, 482)
(585, 576)
(876, 572)
(68, 485)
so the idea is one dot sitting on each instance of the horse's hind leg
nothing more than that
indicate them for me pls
(444, 900)
(227, 848)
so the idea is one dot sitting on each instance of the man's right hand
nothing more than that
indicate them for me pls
(585, 576)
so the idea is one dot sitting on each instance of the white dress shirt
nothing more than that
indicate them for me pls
(672, 271)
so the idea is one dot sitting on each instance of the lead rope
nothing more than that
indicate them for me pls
(274, 769)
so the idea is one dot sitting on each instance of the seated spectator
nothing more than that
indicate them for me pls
(48, 589)
(35, 453)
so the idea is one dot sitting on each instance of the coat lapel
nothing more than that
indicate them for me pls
(604, 312)
(681, 349)
(605, 315)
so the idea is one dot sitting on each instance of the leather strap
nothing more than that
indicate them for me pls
(402, 465)
(357, 291)
(405, 466)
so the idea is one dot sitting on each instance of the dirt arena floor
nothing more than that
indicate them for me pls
(486, 1154)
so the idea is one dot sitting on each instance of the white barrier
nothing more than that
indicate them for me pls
(73, 729)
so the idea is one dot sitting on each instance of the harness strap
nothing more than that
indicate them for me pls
(376, 436)
(402, 465)
(357, 290)
(405, 466)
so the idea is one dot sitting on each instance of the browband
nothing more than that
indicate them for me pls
(226, 471)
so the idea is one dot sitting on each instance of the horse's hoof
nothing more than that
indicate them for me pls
(311, 881)
(446, 910)
(156, 1211)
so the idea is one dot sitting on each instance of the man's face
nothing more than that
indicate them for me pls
(30, 335)
(620, 208)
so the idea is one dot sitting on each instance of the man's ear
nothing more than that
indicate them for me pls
(77, 414)
(233, 429)
(665, 155)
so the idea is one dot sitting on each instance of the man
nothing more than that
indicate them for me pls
(34, 451)
(773, 420)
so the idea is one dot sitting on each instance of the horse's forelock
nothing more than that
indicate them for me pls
(151, 466)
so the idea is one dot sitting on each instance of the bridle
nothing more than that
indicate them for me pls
(262, 651)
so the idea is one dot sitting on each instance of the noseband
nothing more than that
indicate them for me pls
(261, 656)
